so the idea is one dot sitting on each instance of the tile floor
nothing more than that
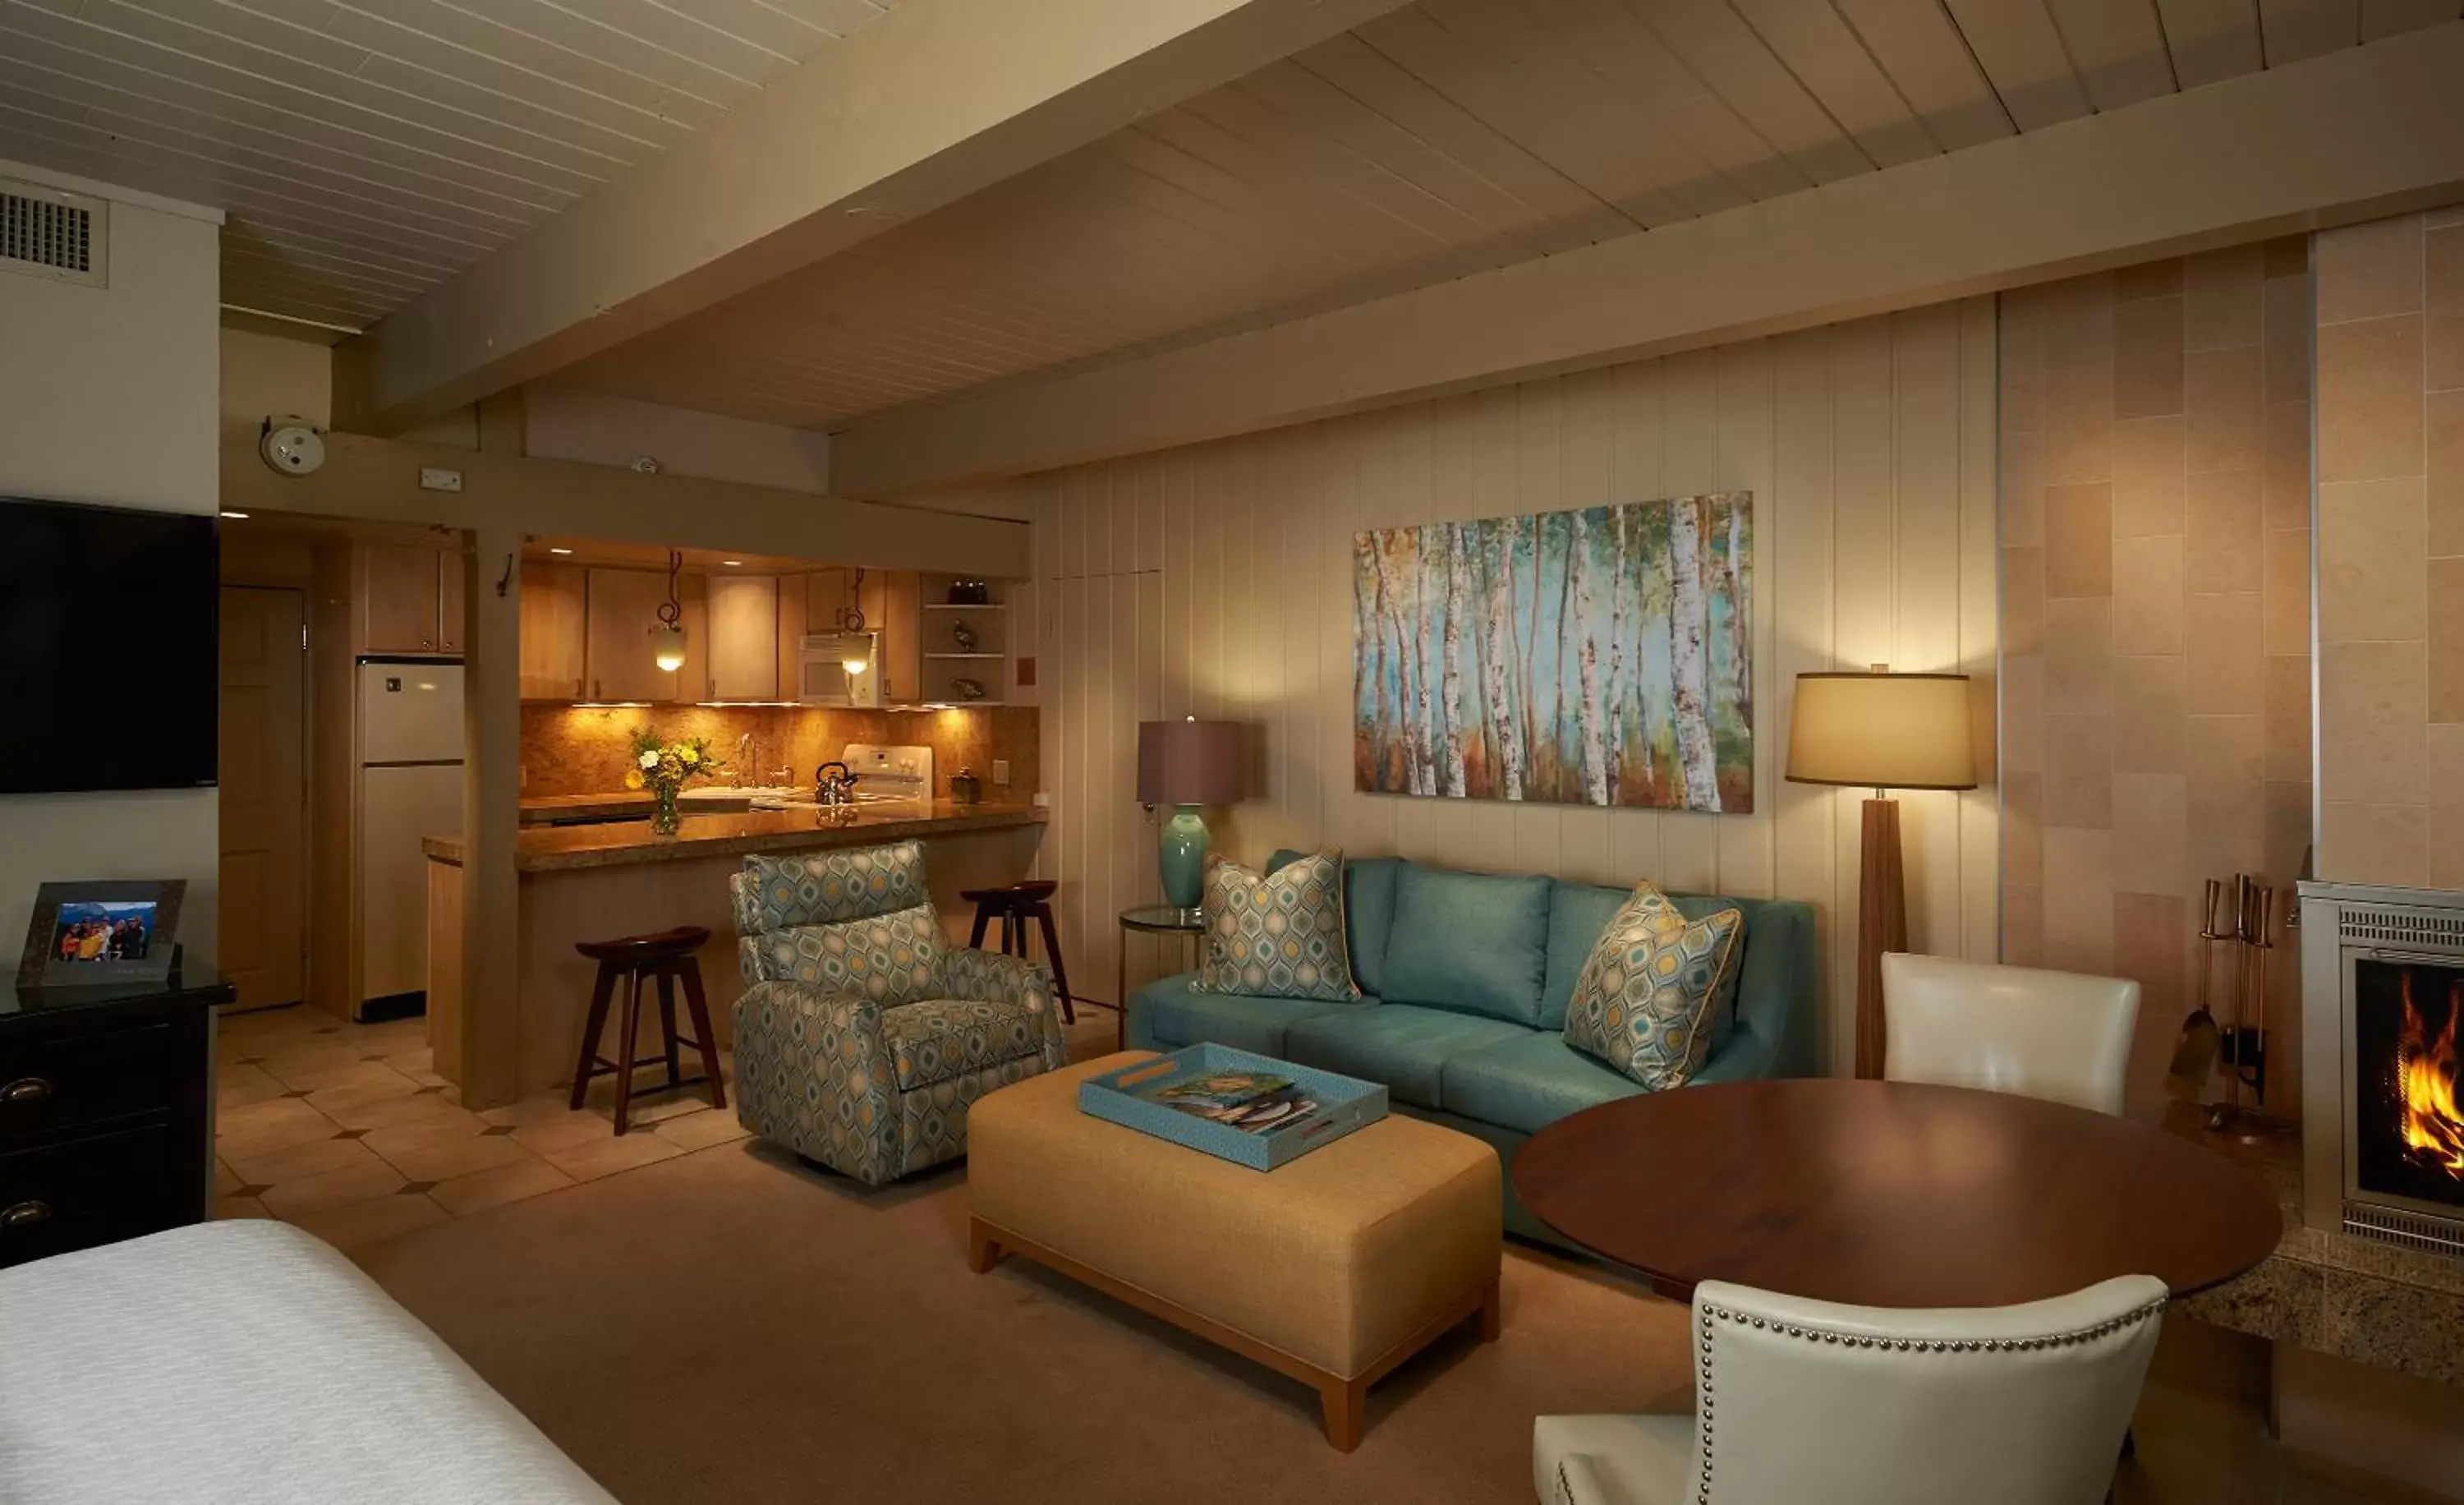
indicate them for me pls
(345, 1130)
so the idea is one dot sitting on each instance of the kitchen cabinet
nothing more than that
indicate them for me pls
(552, 633)
(743, 649)
(889, 599)
(448, 602)
(401, 593)
(620, 608)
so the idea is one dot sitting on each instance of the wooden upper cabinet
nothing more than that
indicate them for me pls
(552, 626)
(622, 606)
(450, 566)
(744, 647)
(401, 598)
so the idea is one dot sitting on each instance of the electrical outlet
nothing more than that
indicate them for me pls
(1001, 770)
(434, 479)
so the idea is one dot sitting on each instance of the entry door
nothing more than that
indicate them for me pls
(264, 789)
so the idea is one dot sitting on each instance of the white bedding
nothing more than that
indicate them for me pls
(246, 1362)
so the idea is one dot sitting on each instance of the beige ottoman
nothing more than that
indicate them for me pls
(1333, 1269)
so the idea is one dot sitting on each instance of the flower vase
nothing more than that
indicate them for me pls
(666, 821)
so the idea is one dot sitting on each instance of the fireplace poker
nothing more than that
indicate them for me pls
(2194, 1056)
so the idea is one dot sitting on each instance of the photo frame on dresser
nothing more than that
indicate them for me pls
(123, 930)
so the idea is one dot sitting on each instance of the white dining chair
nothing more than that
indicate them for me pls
(1874, 1406)
(2059, 1035)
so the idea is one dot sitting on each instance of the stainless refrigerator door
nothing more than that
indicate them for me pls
(399, 806)
(410, 713)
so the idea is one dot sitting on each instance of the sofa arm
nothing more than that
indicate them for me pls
(791, 1036)
(993, 977)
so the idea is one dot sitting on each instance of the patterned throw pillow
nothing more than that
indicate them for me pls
(1643, 1001)
(888, 959)
(1280, 934)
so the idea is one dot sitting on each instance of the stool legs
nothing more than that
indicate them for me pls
(668, 1023)
(984, 923)
(624, 1059)
(600, 993)
(1052, 956)
(698, 1007)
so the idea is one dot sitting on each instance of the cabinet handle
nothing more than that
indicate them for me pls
(25, 1215)
(26, 1089)
(428, 642)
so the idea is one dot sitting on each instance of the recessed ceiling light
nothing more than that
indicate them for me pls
(731, 562)
(553, 550)
(242, 516)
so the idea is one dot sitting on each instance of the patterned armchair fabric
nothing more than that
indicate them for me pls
(862, 1040)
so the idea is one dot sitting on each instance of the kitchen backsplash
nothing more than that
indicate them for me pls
(585, 749)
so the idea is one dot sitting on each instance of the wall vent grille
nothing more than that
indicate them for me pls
(53, 234)
(2427, 928)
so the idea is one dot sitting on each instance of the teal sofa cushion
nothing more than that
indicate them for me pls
(1469, 942)
(1167, 1014)
(1398, 1044)
(1577, 913)
(1368, 912)
(1527, 1083)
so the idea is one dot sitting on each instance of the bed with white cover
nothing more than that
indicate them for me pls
(246, 1362)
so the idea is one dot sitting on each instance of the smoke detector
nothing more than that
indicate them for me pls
(289, 446)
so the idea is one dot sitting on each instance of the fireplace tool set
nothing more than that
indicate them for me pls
(2241, 914)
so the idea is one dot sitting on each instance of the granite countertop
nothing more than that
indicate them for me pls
(544, 808)
(2332, 1291)
(551, 848)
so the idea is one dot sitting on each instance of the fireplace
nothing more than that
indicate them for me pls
(2383, 1006)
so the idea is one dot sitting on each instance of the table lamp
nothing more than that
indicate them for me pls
(1882, 731)
(1187, 765)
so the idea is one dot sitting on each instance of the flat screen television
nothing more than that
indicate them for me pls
(109, 648)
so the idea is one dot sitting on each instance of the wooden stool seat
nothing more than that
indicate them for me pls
(668, 959)
(1014, 905)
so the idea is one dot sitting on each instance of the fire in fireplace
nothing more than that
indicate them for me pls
(2410, 1136)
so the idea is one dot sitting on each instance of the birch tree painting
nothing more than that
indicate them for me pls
(1601, 656)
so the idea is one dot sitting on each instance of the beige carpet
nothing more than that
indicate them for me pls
(730, 1327)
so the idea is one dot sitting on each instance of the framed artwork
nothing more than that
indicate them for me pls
(1596, 656)
(101, 932)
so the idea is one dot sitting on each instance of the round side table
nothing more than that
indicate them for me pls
(1155, 920)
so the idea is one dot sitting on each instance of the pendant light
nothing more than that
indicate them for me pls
(668, 638)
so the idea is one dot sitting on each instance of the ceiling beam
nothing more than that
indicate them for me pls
(2352, 134)
(930, 102)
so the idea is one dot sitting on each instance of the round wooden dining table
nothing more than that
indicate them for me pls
(1890, 1194)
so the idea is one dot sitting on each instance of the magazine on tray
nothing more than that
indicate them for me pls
(1253, 1102)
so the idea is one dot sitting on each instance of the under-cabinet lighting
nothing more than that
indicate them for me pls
(553, 550)
(241, 515)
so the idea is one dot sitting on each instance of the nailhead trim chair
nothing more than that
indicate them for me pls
(1868, 1406)
(862, 1037)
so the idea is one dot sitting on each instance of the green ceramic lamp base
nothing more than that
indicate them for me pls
(1182, 860)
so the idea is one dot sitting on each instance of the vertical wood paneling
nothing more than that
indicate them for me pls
(1216, 580)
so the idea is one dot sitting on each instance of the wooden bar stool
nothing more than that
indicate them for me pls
(1014, 904)
(668, 959)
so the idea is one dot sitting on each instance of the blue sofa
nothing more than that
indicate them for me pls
(1467, 978)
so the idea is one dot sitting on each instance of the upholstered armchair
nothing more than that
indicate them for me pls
(863, 1036)
(1869, 1405)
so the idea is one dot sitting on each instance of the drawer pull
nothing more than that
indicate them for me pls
(26, 1089)
(25, 1215)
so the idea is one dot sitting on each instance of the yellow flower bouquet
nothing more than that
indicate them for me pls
(663, 768)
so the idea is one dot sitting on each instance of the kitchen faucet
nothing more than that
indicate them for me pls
(743, 762)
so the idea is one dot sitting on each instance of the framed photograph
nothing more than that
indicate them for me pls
(101, 932)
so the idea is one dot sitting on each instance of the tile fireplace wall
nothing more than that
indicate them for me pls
(2391, 551)
(2155, 566)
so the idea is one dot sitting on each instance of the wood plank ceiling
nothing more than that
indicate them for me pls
(1444, 138)
(365, 150)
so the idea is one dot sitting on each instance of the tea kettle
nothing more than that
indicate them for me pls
(834, 785)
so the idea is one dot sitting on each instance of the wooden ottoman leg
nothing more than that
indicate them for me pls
(1492, 1313)
(983, 1249)
(1341, 1400)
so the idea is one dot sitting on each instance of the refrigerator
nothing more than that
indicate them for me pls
(410, 788)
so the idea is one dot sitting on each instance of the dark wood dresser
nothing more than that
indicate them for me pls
(106, 1112)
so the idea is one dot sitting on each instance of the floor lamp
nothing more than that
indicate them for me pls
(1880, 731)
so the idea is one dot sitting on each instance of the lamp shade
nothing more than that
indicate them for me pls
(1189, 763)
(1884, 731)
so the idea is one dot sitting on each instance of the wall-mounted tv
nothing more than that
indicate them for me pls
(109, 648)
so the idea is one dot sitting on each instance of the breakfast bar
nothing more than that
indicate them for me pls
(596, 882)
